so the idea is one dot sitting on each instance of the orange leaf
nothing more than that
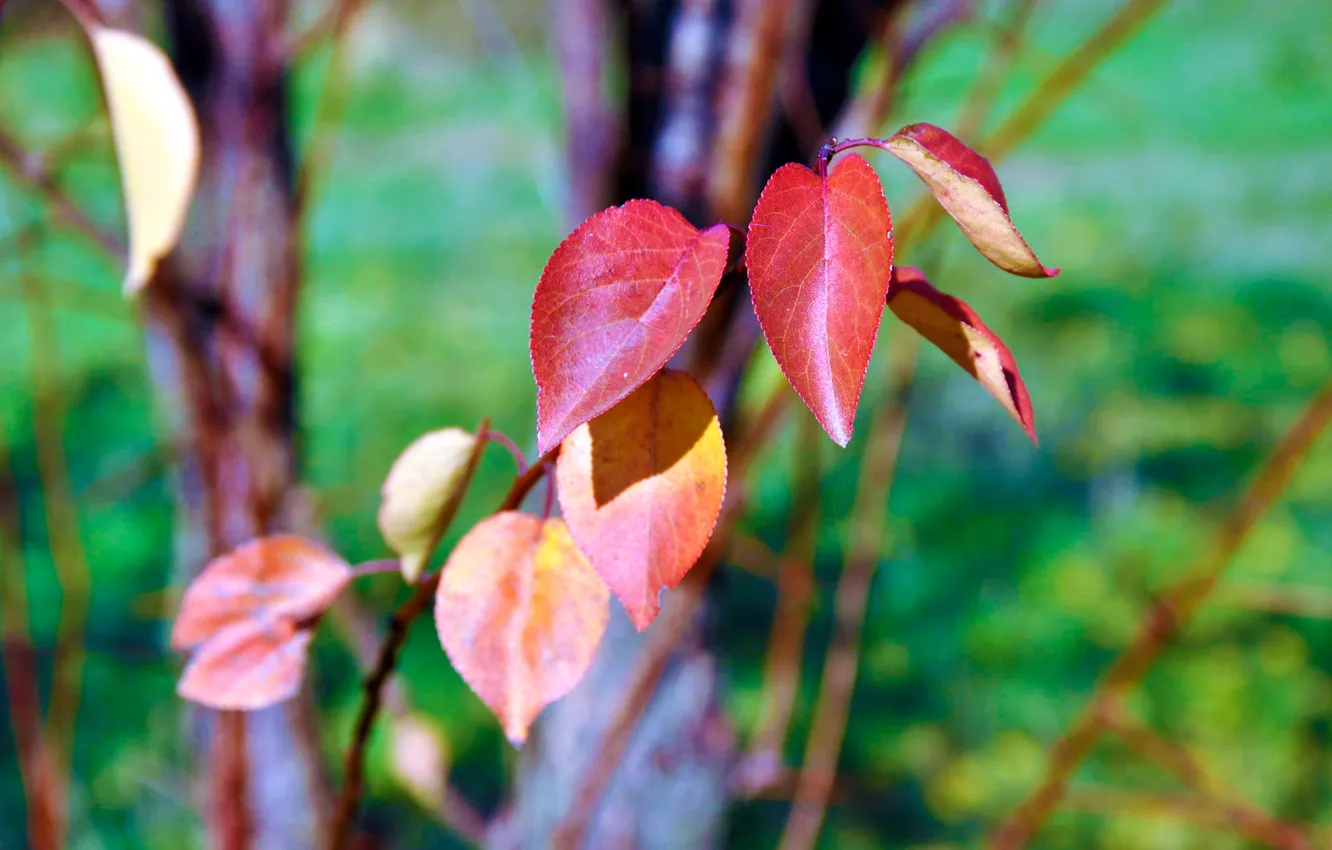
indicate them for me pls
(956, 329)
(520, 613)
(966, 186)
(247, 666)
(271, 579)
(641, 487)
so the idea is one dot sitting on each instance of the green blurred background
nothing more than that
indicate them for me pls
(1186, 190)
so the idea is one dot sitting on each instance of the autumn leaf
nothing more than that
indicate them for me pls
(157, 140)
(820, 253)
(275, 579)
(966, 186)
(520, 613)
(615, 301)
(422, 491)
(641, 487)
(956, 329)
(248, 665)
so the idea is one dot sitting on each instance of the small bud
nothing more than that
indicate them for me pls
(423, 480)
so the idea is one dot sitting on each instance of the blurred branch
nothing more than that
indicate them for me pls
(69, 558)
(1049, 95)
(1170, 614)
(748, 90)
(992, 77)
(866, 548)
(873, 104)
(33, 171)
(331, 104)
(1276, 598)
(580, 39)
(42, 789)
(1155, 747)
(762, 766)
(1255, 825)
(867, 112)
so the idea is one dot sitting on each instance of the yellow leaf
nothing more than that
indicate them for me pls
(424, 479)
(157, 140)
(419, 758)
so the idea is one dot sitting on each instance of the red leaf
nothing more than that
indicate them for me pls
(283, 577)
(247, 666)
(956, 329)
(520, 613)
(965, 184)
(616, 300)
(641, 487)
(820, 253)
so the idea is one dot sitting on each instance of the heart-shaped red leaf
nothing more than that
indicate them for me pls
(520, 613)
(616, 300)
(282, 577)
(247, 665)
(820, 253)
(641, 487)
(965, 184)
(956, 329)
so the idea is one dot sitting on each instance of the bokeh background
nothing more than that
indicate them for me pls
(1185, 189)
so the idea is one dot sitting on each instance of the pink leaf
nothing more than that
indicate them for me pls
(967, 187)
(247, 666)
(820, 253)
(956, 329)
(283, 577)
(616, 300)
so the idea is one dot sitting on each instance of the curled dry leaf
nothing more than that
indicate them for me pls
(430, 474)
(275, 579)
(641, 487)
(965, 184)
(956, 329)
(157, 140)
(247, 665)
(520, 613)
(616, 300)
(820, 253)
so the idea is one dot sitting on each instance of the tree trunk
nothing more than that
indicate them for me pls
(220, 330)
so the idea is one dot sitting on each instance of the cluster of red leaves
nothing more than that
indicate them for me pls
(522, 601)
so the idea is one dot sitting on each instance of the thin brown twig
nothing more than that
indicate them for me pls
(762, 766)
(33, 172)
(990, 80)
(68, 556)
(41, 788)
(748, 95)
(457, 813)
(867, 546)
(1200, 811)
(1171, 613)
(330, 105)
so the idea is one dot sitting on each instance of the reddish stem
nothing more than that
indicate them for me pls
(505, 441)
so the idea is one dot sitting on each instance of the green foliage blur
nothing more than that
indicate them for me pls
(1186, 190)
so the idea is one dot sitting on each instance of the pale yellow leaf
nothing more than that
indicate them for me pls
(419, 758)
(422, 481)
(157, 141)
